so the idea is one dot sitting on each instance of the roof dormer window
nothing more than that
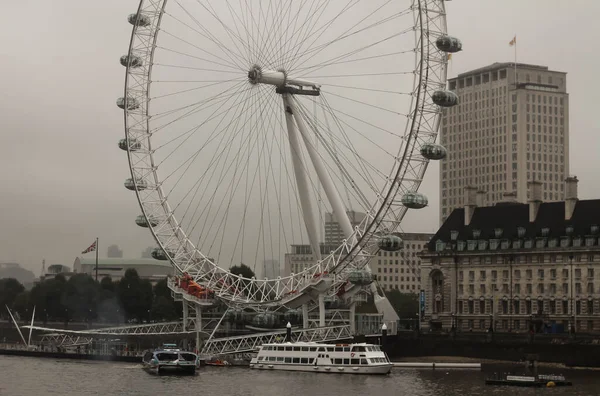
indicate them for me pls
(520, 232)
(569, 230)
(545, 231)
(453, 235)
(476, 233)
(498, 232)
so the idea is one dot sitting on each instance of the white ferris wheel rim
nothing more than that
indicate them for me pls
(421, 126)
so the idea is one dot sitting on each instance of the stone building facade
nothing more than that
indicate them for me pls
(516, 267)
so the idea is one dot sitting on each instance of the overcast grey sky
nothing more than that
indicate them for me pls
(62, 173)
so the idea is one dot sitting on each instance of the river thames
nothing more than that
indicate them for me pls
(24, 376)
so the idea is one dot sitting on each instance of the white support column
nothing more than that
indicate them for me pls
(305, 316)
(339, 211)
(198, 326)
(185, 320)
(352, 317)
(301, 180)
(321, 310)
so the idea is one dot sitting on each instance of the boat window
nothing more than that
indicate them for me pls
(304, 349)
(346, 349)
(296, 349)
(354, 362)
(321, 349)
(376, 348)
(337, 361)
(288, 348)
(358, 349)
(346, 361)
(288, 360)
(280, 348)
(311, 360)
(166, 357)
(304, 360)
(261, 358)
(363, 361)
(330, 349)
(280, 358)
(188, 357)
(272, 359)
(339, 349)
(313, 349)
(295, 360)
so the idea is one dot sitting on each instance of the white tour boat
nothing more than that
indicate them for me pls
(322, 358)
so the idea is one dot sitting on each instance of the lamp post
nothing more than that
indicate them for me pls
(510, 306)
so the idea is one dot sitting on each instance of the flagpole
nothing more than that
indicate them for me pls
(96, 259)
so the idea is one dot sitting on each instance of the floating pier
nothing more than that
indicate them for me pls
(438, 365)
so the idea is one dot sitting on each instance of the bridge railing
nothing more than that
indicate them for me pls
(241, 344)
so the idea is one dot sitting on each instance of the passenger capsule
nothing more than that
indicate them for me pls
(132, 103)
(448, 44)
(141, 184)
(414, 200)
(131, 61)
(390, 243)
(292, 315)
(445, 98)
(143, 20)
(141, 221)
(134, 145)
(364, 277)
(433, 151)
(159, 254)
(235, 316)
(267, 319)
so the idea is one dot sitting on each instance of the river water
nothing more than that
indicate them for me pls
(25, 376)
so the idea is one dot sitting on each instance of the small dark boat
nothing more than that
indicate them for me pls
(170, 360)
(541, 380)
(217, 362)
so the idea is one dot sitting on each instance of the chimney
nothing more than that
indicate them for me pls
(535, 192)
(510, 197)
(481, 198)
(570, 196)
(470, 203)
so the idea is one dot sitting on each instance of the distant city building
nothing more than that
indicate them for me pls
(55, 269)
(333, 232)
(395, 270)
(301, 258)
(511, 126)
(113, 251)
(151, 269)
(516, 267)
(401, 270)
(271, 269)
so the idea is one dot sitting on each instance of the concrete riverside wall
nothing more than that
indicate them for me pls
(579, 350)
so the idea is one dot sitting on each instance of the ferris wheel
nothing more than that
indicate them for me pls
(250, 123)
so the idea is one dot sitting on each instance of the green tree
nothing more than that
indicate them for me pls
(242, 270)
(405, 304)
(22, 304)
(135, 296)
(81, 297)
(163, 306)
(9, 289)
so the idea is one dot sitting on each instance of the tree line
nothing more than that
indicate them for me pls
(81, 298)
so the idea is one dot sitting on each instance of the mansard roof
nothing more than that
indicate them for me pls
(509, 217)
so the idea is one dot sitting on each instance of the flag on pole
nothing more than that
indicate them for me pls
(513, 41)
(90, 249)
(449, 56)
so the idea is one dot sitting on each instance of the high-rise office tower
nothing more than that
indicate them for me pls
(333, 231)
(511, 126)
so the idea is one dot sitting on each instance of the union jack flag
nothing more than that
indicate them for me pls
(90, 249)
